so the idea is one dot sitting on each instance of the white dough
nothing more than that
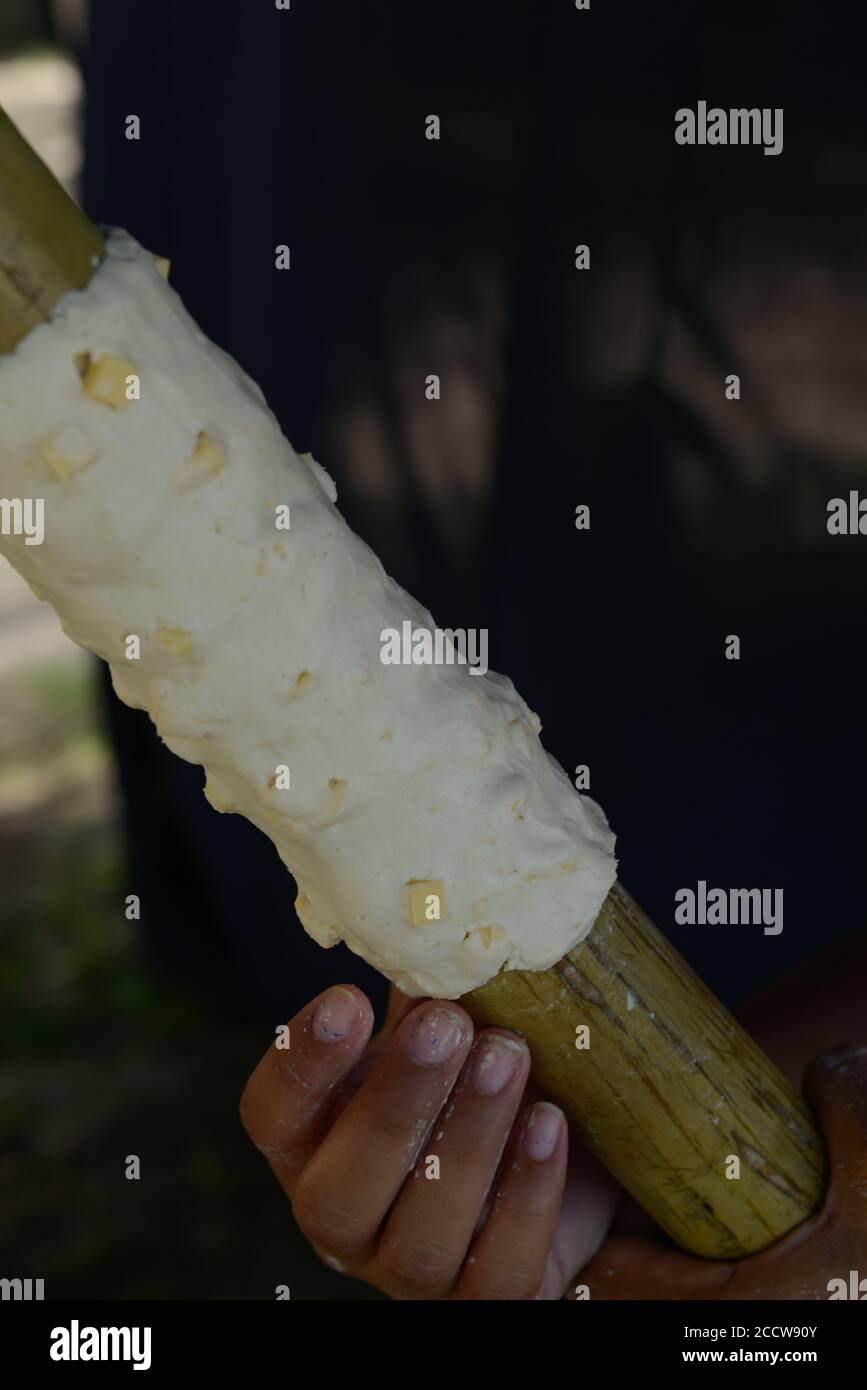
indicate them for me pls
(260, 648)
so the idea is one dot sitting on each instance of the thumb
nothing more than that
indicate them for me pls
(835, 1086)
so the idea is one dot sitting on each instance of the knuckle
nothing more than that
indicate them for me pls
(386, 1125)
(263, 1131)
(277, 1136)
(505, 1283)
(416, 1268)
(254, 1121)
(327, 1224)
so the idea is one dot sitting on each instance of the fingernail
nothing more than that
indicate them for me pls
(435, 1036)
(336, 1015)
(495, 1063)
(543, 1130)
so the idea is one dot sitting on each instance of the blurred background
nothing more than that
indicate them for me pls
(104, 1053)
(409, 256)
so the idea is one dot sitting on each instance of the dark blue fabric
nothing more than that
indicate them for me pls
(259, 128)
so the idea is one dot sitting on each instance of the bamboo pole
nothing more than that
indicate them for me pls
(47, 245)
(670, 1085)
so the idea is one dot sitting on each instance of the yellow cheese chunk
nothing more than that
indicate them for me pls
(427, 901)
(68, 452)
(105, 379)
(177, 641)
(489, 936)
(336, 795)
(206, 461)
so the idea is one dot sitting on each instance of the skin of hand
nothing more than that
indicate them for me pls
(349, 1128)
(301, 1108)
(801, 1014)
(825, 1247)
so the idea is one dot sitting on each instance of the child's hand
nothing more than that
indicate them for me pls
(813, 1261)
(353, 1153)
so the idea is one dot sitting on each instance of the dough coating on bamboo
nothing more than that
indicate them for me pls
(412, 789)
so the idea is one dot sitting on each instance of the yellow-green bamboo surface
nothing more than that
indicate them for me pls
(47, 245)
(670, 1085)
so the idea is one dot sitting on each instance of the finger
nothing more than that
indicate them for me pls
(638, 1268)
(427, 1234)
(590, 1201)
(508, 1258)
(351, 1181)
(286, 1106)
(835, 1085)
(399, 1005)
(634, 1268)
